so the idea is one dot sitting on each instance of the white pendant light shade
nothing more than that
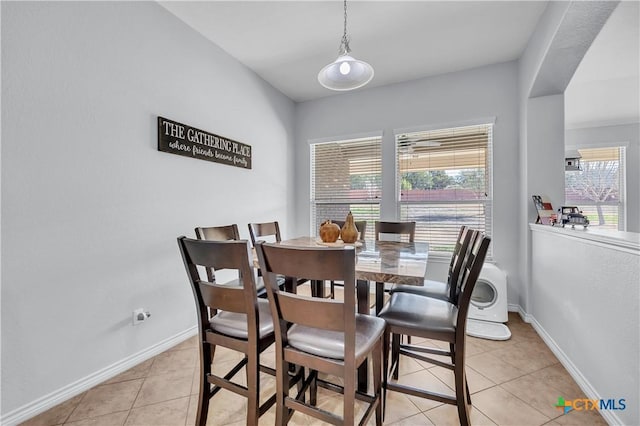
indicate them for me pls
(345, 73)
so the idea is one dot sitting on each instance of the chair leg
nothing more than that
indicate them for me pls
(282, 391)
(395, 355)
(313, 388)
(253, 386)
(349, 398)
(385, 370)
(377, 377)
(461, 389)
(204, 393)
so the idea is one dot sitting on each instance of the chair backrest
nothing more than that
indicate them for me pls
(218, 233)
(458, 257)
(476, 253)
(221, 255)
(400, 228)
(322, 263)
(267, 229)
(361, 226)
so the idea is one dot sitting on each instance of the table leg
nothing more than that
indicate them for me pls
(290, 285)
(362, 293)
(317, 288)
(379, 297)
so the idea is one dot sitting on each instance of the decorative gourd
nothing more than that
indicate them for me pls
(349, 232)
(329, 232)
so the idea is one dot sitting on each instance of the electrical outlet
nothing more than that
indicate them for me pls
(140, 315)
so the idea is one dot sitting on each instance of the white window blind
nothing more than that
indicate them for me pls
(444, 181)
(346, 176)
(598, 189)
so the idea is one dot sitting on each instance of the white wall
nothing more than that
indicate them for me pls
(621, 135)
(529, 65)
(90, 209)
(589, 316)
(447, 99)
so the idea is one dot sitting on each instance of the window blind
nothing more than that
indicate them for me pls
(598, 189)
(444, 181)
(346, 176)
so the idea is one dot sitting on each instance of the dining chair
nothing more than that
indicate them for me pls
(438, 289)
(242, 322)
(322, 335)
(396, 228)
(270, 232)
(407, 229)
(226, 233)
(361, 226)
(217, 233)
(265, 231)
(437, 320)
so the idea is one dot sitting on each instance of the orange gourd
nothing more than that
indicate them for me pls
(329, 232)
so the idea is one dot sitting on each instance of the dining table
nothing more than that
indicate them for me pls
(379, 262)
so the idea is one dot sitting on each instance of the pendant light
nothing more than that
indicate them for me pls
(346, 72)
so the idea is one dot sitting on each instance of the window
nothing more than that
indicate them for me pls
(598, 187)
(444, 181)
(346, 176)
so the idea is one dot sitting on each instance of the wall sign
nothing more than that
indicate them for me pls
(180, 139)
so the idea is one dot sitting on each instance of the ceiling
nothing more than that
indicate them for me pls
(288, 42)
(605, 88)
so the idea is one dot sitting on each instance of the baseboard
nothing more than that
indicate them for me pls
(49, 401)
(591, 393)
(517, 308)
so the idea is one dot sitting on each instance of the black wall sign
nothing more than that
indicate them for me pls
(180, 139)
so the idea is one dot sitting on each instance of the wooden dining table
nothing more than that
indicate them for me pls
(380, 262)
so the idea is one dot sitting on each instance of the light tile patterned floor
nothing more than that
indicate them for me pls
(515, 382)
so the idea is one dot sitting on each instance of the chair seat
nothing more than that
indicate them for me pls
(235, 324)
(330, 344)
(423, 315)
(435, 289)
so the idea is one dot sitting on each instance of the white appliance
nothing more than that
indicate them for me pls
(488, 307)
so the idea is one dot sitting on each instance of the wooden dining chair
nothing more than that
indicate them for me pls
(242, 322)
(438, 289)
(361, 226)
(226, 233)
(267, 231)
(270, 232)
(396, 228)
(437, 320)
(407, 229)
(217, 233)
(322, 335)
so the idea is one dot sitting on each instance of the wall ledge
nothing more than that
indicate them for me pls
(619, 240)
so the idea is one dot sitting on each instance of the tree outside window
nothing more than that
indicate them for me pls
(597, 189)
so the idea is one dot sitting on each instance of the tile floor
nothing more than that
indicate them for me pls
(514, 382)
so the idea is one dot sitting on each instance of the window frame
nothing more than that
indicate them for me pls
(489, 172)
(622, 182)
(377, 138)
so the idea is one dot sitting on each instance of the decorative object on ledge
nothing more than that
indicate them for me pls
(571, 215)
(346, 72)
(546, 214)
(572, 161)
(180, 139)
